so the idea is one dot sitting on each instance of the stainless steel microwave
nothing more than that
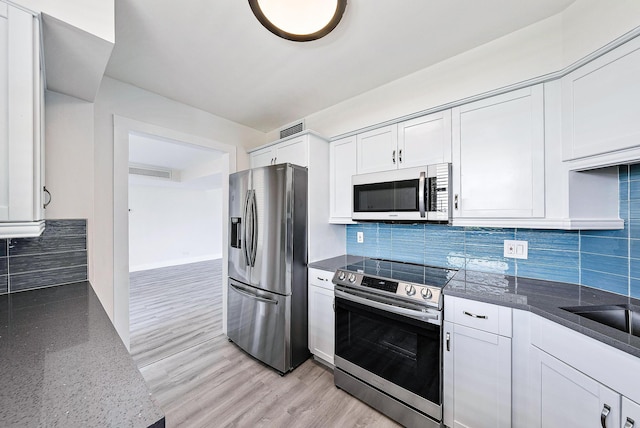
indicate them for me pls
(403, 195)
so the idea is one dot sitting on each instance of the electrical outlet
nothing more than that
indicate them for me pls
(516, 249)
(360, 237)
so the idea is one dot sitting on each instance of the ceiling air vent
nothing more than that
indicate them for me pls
(292, 128)
(151, 172)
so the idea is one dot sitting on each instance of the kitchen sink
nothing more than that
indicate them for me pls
(622, 317)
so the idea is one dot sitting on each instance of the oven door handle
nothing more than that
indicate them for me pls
(423, 316)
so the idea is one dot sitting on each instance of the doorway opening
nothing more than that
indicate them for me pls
(175, 246)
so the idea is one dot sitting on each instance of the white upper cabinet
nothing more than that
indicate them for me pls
(21, 105)
(421, 141)
(498, 156)
(290, 151)
(377, 149)
(600, 105)
(342, 160)
(425, 140)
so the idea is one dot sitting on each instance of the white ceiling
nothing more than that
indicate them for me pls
(194, 167)
(214, 55)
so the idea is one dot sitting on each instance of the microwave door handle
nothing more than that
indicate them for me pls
(421, 194)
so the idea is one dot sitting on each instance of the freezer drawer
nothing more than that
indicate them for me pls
(258, 322)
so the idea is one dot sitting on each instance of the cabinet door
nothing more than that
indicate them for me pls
(292, 151)
(600, 104)
(4, 141)
(377, 150)
(630, 414)
(477, 378)
(425, 140)
(321, 322)
(498, 156)
(342, 166)
(20, 194)
(565, 397)
(263, 157)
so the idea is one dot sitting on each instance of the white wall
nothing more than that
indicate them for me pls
(170, 226)
(542, 48)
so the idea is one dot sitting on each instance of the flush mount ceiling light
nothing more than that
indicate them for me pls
(299, 20)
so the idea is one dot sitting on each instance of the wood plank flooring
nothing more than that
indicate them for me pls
(214, 383)
(174, 308)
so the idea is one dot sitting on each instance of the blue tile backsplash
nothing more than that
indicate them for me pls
(604, 259)
(57, 257)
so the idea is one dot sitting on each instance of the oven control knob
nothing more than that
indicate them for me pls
(341, 275)
(426, 293)
(410, 289)
(352, 277)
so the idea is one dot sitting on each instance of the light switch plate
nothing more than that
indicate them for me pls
(360, 237)
(516, 249)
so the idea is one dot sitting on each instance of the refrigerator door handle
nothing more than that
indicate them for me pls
(254, 228)
(247, 224)
(252, 296)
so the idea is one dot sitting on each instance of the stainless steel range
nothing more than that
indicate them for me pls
(388, 349)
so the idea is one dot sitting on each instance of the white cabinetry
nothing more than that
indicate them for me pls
(310, 150)
(600, 105)
(425, 140)
(477, 364)
(577, 381)
(630, 414)
(377, 149)
(342, 159)
(416, 142)
(293, 151)
(568, 398)
(21, 143)
(321, 315)
(498, 157)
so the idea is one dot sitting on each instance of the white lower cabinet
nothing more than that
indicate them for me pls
(477, 365)
(321, 315)
(630, 414)
(566, 397)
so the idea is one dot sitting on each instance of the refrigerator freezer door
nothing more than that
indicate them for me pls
(272, 232)
(239, 186)
(258, 323)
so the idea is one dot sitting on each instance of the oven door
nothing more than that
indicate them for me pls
(395, 353)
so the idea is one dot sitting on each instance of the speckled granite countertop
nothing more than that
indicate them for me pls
(62, 364)
(546, 298)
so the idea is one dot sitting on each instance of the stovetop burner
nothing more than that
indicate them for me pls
(398, 281)
(403, 272)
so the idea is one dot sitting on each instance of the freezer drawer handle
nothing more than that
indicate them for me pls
(253, 296)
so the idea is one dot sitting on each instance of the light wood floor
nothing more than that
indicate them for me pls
(213, 383)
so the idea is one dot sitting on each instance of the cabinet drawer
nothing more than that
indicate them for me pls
(482, 316)
(321, 278)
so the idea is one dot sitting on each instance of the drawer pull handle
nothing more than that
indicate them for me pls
(630, 423)
(448, 342)
(603, 416)
(469, 314)
(322, 279)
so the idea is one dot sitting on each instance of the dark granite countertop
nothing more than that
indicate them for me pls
(63, 364)
(335, 262)
(546, 298)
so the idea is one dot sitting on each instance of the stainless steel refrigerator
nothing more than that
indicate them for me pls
(267, 291)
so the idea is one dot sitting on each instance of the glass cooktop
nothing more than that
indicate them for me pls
(404, 272)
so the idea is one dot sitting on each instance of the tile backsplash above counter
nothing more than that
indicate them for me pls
(58, 256)
(608, 259)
